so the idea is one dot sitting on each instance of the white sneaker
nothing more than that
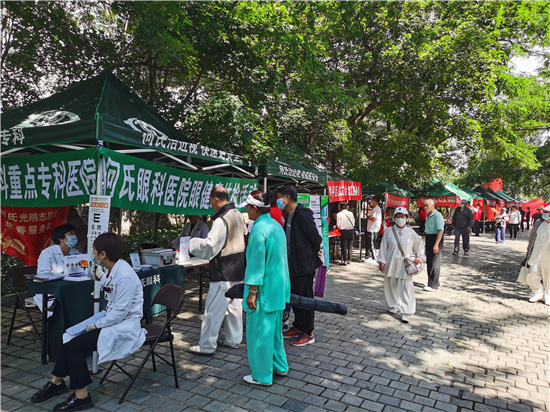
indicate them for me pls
(393, 310)
(250, 380)
(229, 345)
(536, 298)
(429, 289)
(199, 350)
(369, 260)
(276, 372)
(405, 318)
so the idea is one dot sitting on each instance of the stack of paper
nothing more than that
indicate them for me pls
(80, 328)
(46, 276)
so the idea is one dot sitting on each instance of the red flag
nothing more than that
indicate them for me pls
(26, 231)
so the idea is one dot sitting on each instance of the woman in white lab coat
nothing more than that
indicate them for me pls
(52, 259)
(115, 336)
(398, 285)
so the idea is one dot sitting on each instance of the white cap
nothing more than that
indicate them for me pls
(251, 201)
(400, 210)
(546, 209)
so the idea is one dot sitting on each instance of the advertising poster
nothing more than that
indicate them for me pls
(98, 218)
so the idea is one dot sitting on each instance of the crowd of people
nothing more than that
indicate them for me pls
(278, 256)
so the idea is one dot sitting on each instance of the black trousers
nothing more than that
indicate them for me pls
(422, 226)
(477, 227)
(369, 244)
(528, 221)
(513, 228)
(347, 244)
(433, 261)
(302, 285)
(71, 359)
(465, 239)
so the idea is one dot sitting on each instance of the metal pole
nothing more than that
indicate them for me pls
(484, 215)
(265, 184)
(100, 191)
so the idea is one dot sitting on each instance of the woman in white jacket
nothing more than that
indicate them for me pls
(398, 285)
(115, 336)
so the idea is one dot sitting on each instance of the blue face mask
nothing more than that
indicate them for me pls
(97, 262)
(280, 204)
(72, 241)
(545, 216)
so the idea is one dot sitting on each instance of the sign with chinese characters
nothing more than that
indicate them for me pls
(343, 190)
(98, 218)
(26, 231)
(60, 179)
(150, 280)
(141, 185)
(441, 201)
(396, 201)
(153, 137)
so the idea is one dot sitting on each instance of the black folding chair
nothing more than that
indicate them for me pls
(172, 297)
(18, 283)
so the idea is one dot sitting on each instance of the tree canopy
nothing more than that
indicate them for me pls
(400, 91)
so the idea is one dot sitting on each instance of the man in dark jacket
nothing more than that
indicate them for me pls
(304, 249)
(463, 222)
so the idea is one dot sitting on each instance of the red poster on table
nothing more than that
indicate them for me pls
(396, 201)
(26, 231)
(343, 190)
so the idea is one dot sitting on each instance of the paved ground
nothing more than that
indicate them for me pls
(477, 344)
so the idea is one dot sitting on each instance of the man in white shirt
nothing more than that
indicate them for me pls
(373, 227)
(345, 221)
(515, 220)
(225, 249)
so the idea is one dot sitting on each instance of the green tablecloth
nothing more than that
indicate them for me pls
(74, 299)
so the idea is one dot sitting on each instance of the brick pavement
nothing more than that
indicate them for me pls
(477, 344)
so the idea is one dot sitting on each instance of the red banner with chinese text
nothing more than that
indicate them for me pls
(441, 201)
(343, 190)
(26, 231)
(396, 201)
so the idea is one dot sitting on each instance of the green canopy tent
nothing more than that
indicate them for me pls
(510, 201)
(295, 167)
(473, 194)
(444, 195)
(490, 199)
(103, 111)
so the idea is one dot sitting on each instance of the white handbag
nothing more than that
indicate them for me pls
(522, 278)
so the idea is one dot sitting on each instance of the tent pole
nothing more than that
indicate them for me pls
(484, 215)
(265, 184)
(100, 191)
(156, 226)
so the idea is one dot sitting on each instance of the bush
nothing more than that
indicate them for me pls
(8, 264)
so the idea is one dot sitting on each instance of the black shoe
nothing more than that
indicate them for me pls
(342, 264)
(455, 253)
(48, 391)
(75, 404)
(465, 253)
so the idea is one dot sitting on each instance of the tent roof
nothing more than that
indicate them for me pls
(437, 189)
(471, 193)
(508, 198)
(102, 109)
(485, 194)
(386, 187)
(497, 195)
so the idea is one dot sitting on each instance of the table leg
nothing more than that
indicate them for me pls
(200, 289)
(44, 354)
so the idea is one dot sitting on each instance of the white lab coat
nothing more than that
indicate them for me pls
(121, 332)
(391, 256)
(52, 260)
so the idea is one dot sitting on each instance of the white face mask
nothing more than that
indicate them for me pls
(400, 221)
